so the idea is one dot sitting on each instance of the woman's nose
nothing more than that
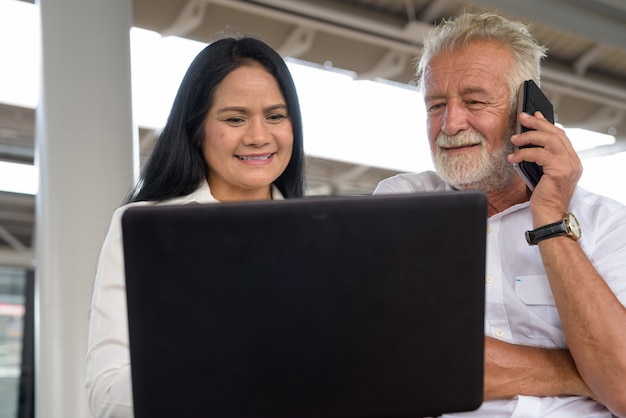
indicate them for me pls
(257, 133)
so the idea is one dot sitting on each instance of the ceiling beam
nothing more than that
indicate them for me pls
(319, 18)
(11, 240)
(298, 42)
(189, 18)
(24, 259)
(584, 88)
(564, 15)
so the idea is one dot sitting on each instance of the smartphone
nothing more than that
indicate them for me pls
(530, 100)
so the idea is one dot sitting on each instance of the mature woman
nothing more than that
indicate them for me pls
(234, 133)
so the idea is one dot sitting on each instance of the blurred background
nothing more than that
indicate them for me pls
(353, 63)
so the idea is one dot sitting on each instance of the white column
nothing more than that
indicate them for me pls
(84, 152)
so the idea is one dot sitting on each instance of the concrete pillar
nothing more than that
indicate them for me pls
(84, 152)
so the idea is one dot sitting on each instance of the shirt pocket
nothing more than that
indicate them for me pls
(539, 318)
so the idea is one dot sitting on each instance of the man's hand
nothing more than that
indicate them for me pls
(562, 167)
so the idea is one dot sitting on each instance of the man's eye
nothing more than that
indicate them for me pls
(475, 103)
(435, 107)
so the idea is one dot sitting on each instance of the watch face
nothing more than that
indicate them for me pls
(573, 226)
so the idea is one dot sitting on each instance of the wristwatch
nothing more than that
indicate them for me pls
(567, 226)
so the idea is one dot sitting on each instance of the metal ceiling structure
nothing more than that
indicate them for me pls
(584, 75)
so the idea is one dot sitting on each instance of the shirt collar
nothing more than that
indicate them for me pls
(203, 195)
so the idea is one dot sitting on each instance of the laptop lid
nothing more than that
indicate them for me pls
(368, 306)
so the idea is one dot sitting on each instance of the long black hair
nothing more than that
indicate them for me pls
(177, 166)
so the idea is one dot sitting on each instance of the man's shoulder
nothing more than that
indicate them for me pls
(594, 201)
(426, 181)
(597, 208)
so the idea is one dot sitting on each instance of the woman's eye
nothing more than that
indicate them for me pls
(235, 120)
(276, 117)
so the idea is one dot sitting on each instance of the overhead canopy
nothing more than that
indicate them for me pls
(584, 74)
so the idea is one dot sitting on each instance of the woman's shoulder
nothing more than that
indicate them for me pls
(119, 211)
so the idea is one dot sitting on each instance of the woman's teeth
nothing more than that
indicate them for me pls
(255, 158)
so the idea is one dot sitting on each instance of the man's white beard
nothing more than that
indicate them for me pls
(474, 171)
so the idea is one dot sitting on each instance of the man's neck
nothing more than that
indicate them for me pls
(516, 192)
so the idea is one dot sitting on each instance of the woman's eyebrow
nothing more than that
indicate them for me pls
(246, 109)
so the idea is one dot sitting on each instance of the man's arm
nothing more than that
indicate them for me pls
(512, 370)
(593, 319)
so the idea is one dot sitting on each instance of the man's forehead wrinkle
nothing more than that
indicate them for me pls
(463, 85)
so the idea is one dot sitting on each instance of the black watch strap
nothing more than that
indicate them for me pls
(547, 231)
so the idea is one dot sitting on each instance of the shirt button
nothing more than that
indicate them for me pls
(488, 229)
(499, 333)
(489, 278)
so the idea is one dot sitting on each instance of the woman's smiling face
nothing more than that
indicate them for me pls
(248, 135)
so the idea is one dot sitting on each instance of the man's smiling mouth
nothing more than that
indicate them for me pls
(455, 147)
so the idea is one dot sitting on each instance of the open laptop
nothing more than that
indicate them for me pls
(369, 306)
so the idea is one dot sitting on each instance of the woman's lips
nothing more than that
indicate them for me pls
(256, 158)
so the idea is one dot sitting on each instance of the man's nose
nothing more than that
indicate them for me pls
(454, 118)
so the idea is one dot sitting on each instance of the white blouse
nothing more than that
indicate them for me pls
(108, 380)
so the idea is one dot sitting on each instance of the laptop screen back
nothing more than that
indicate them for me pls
(327, 307)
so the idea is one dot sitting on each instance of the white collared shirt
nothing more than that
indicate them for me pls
(520, 308)
(108, 380)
